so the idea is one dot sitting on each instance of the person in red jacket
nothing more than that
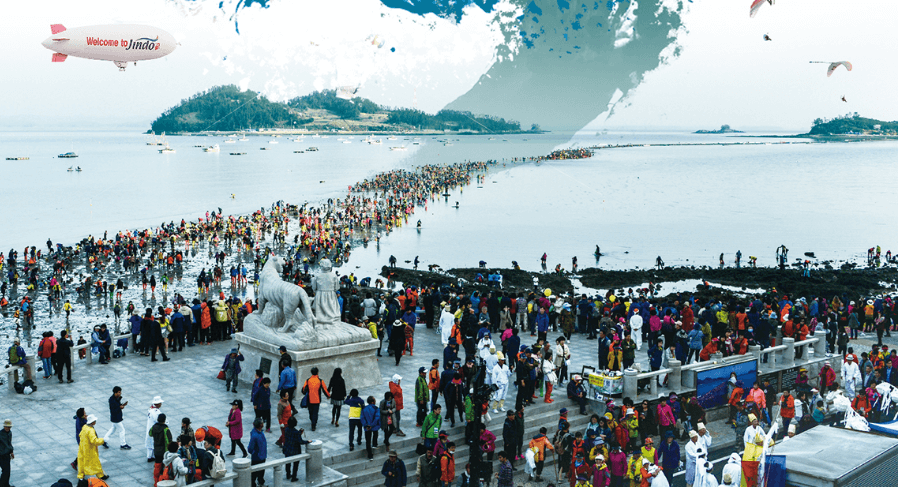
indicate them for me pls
(580, 468)
(827, 377)
(787, 409)
(710, 348)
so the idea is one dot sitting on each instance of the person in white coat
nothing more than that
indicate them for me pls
(152, 415)
(636, 330)
(178, 470)
(489, 362)
(704, 437)
(753, 432)
(499, 378)
(693, 450)
(708, 478)
(485, 346)
(447, 320)
(561, 358)
(851, 377)
(732, 471)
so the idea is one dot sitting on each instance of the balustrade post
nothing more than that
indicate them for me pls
(314, 463)
(241, 468)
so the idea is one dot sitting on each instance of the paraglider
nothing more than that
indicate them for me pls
(843, 99)
(376, 40)
(756, 5)
(833, 66)
(767, 37)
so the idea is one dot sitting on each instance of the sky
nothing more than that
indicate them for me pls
(718, 69)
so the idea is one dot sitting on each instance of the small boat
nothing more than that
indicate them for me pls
(78, 169)
(70, 169)
(298, 139)
(299, 152)
(347, 141)
(398, 148)
(199, 145)
(155, 141)
(315, 136)
(272, 142)
(416, 143)
(447, 144)
(67, 155)
(392, 137)
(167, 150)
(230, 141)
(20, 158)
(212, 148)
(238, 153)
(312, 149)
(243, 139)
(324, 137)
(263, 148)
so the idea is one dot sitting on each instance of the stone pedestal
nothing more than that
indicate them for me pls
(358, 361)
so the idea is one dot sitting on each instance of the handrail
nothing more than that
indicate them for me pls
(653, 373)
(230, 476)
(114, 338)
(277, 463)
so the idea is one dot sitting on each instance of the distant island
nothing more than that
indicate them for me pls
(852, 124)
(230, 109)
(724, 129)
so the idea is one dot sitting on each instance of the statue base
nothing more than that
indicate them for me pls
(358, 361)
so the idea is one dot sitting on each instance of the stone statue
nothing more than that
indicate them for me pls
(286, 316)
(325, 285)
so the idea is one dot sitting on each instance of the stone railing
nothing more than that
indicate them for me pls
(241, 475)
(681, 378)
(87, 346)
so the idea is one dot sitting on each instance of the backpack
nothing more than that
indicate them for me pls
(218, 466)
(168, 473)
(14, 355)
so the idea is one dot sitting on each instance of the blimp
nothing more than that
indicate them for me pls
(121, 44)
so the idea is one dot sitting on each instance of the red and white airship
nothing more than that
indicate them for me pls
(121, 44)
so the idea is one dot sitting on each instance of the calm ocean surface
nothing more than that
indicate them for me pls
(687, 204)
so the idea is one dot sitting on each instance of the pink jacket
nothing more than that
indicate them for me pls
(757, 395)
(617, 463)
(235, 424)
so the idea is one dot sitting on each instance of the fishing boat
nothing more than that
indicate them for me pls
(312, 149)
(398, 148)
(212, 148)
(155, 141)
(392, 137)
(230, 141)
(299, 152)
(243, 138)
(17, 158)
(347, 141)
(166, 150)
(67, 155)
(315, 136)
(238, 153)
(272, 142)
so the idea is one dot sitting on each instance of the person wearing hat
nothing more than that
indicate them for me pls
(152, 415)
(851, 377)
(231, 369)
(88, 453)
(258, 449)
(394, 472)
(576, 392)
(693, 450)
(6, 452)
(447, 322)
(703, 436)
(235, 427)
(499, 377)
(581, 468)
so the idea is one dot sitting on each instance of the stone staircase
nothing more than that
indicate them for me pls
(365, 473)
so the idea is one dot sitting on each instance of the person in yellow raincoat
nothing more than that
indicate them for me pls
(634, 469)
(88, 456)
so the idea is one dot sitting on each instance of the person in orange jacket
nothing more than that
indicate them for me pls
(787, 409)
(447, 465)
(314, 387)
(540, 442)
(710, 348)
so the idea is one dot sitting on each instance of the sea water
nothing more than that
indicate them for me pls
(686, 204)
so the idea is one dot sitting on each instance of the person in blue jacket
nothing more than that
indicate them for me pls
(695, 342)
(258, 449)
(371, 425)
(394, 471)
(542, 324)
(135, 332)
(262, 403)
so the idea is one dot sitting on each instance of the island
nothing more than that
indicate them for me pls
(852, 124)
(230, 109)
(724, 129)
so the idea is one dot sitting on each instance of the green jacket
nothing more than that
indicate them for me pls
(431, 427)
(469, 408)
(422, 393)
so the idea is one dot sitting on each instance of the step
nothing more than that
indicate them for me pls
(548, 472)
(539, 409)
(361, 470)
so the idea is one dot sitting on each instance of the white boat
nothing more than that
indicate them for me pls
(347, 141)
(298, 139)
(392, 137)
(155, 141)
(230, 141)
(316, 136)
(324, 137)
(243, 139)
(398, 148)
(312, 149)
(272, 142)
(166, 150)
(212, 148)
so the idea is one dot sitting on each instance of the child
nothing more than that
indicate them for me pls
(82, 352)
(185, 428)
(187, 452)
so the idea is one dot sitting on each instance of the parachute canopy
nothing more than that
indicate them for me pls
(833, 66)
(376, 40)
(756, 5)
